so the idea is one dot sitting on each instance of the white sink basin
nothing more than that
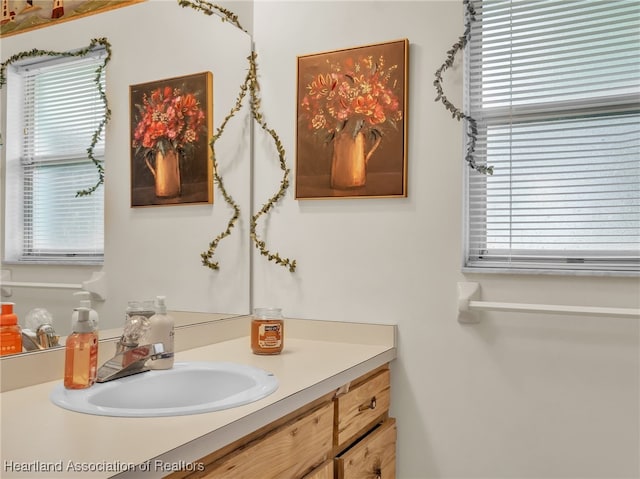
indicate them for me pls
(187, 388)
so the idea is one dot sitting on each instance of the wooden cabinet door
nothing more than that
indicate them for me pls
(288, 452)
(322, 472)
(373, 457)
(358, 410)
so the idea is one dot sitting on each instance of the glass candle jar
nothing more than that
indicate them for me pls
(267, 331)
(10, 332)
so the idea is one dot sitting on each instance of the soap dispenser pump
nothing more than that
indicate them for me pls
(161, 331)
(85, 302)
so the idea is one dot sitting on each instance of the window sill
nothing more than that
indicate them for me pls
(550, 271)
(53, 262)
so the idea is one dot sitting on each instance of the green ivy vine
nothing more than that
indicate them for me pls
(456, 113)
(209, 9)
(284, 183)
(250, 85)
(99, 71)
(208, 255)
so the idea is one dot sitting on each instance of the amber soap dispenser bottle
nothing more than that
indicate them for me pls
(81, 352)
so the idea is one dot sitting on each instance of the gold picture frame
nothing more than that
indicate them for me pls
(351, 139)
(171, 127)
(19, 16)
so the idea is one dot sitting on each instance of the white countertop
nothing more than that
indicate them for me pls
(39, 435)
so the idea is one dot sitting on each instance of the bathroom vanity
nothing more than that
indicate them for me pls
(329, 415)
(348, 431)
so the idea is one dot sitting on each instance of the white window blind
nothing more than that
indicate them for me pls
(554, 87)
(62, 110)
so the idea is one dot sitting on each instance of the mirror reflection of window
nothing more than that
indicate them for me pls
(54, 110)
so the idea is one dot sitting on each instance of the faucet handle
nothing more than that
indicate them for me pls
(141, 353)
(131, 361)
(47, 336)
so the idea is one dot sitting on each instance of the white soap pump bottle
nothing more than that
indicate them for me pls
(85, 302)
(161, 331)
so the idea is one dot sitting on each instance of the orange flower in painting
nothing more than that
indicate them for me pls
(322, 85)
(357, 93)
(167, 118)
(366, 105)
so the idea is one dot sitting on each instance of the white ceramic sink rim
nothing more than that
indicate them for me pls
(192, 387)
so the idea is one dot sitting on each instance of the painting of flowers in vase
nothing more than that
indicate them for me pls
(171, 125)
(19, 16)
(352, 122)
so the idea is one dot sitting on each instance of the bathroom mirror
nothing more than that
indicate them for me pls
(152, 250)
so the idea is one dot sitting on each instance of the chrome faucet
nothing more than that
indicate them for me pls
(130, 360)
(44, 337)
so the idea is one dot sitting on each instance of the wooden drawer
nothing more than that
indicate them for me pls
(361, 408)
(322, 472)
(288, 452)
(373, 457)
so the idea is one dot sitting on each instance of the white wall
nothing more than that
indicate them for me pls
(516, 396)
(151, 251)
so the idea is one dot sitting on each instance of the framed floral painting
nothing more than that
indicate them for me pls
(20, 16)
(171, 125)
(352, 122)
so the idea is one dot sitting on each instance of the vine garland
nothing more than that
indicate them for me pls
(284, 183)
(209, 9)
(456, 113)
(208, 255)
(251, 85)
(107, 112)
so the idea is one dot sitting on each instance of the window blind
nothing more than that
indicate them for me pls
(62, 110)
(554, 87)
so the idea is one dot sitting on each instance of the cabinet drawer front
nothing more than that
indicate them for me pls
(323, 472)
(361, 407)
(289, 452)
(373, 457)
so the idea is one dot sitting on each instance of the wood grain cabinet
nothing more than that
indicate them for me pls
(344, 435)
(374, 456)
(324, 471)
(364, 435)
